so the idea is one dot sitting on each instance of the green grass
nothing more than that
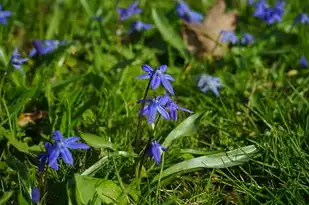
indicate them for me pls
(89, 89)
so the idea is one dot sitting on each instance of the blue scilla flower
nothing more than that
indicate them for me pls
(157, 104)
(158, 77)
(269, 14)
(140, 26)
(302, 19)
(207, 82)
(43, 158)
(61, 148)
(130, 11)
(35, 195)
(228, 36)
(16, 60)
(186, 14)
(154, 150)
(173, 107)
(303, 62)
(43, 47)
(247, 39)
(4, 15)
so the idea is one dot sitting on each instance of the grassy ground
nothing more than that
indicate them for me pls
(89, 86)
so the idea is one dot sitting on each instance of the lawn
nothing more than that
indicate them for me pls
(154, 102)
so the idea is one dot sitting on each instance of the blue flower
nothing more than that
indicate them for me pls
(228, 36)
(4, 15)
(185, 13)
(61, 148)
(154, 150)
(207, 82)
(130, 11)
(140, 26)
(43, 158)
(301, 18)
(154, 105)
(247, 39)
(45, 47)
(303, 61)
(173, 107)
(269, 14)
(158, 77)
(35, 195)
(16, 60)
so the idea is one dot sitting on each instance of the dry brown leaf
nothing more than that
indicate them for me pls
(26, 118)
(203, 39)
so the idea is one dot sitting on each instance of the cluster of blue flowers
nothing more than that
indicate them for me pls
(125, 13)
(4, 15)
(40, 48)
(163, 105)
(230, 37)
(184, 12)
(269, 14)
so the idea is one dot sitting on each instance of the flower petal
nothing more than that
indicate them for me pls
(144, 76)
(167, 85)
(162, 68)
(53, 156)
(67, 156)
(155, 81)
(168, 77)
(57, 136)
(77, 145)
(152, 112)
(70, 140)
(163, 112)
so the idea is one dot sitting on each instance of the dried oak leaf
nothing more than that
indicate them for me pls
(203, 39)
(25, 118)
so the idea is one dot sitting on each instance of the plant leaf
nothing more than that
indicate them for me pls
(169, 33)
(96, 141)
(186, 128)
(5, 197)
(109, 192)
(91, 190)
(86, 189)
(219, 160)
(204, 38)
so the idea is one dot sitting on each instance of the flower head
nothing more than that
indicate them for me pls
(173, 107)
(247, 39)
(228, 36)
(130, 11)
(4, 15)
(45, 47)
(158, 77)
(269, 14)
(140, 26)
(207, 82)
(16, 60)
(186, 14)
(153, 106)
(154, 150)
(303, 62)
(61, 148)
(35, 195)
(301, 18)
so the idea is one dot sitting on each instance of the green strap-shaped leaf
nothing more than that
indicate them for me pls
(5, 197)
(220, 160)
(186, 128)
(168, 33)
